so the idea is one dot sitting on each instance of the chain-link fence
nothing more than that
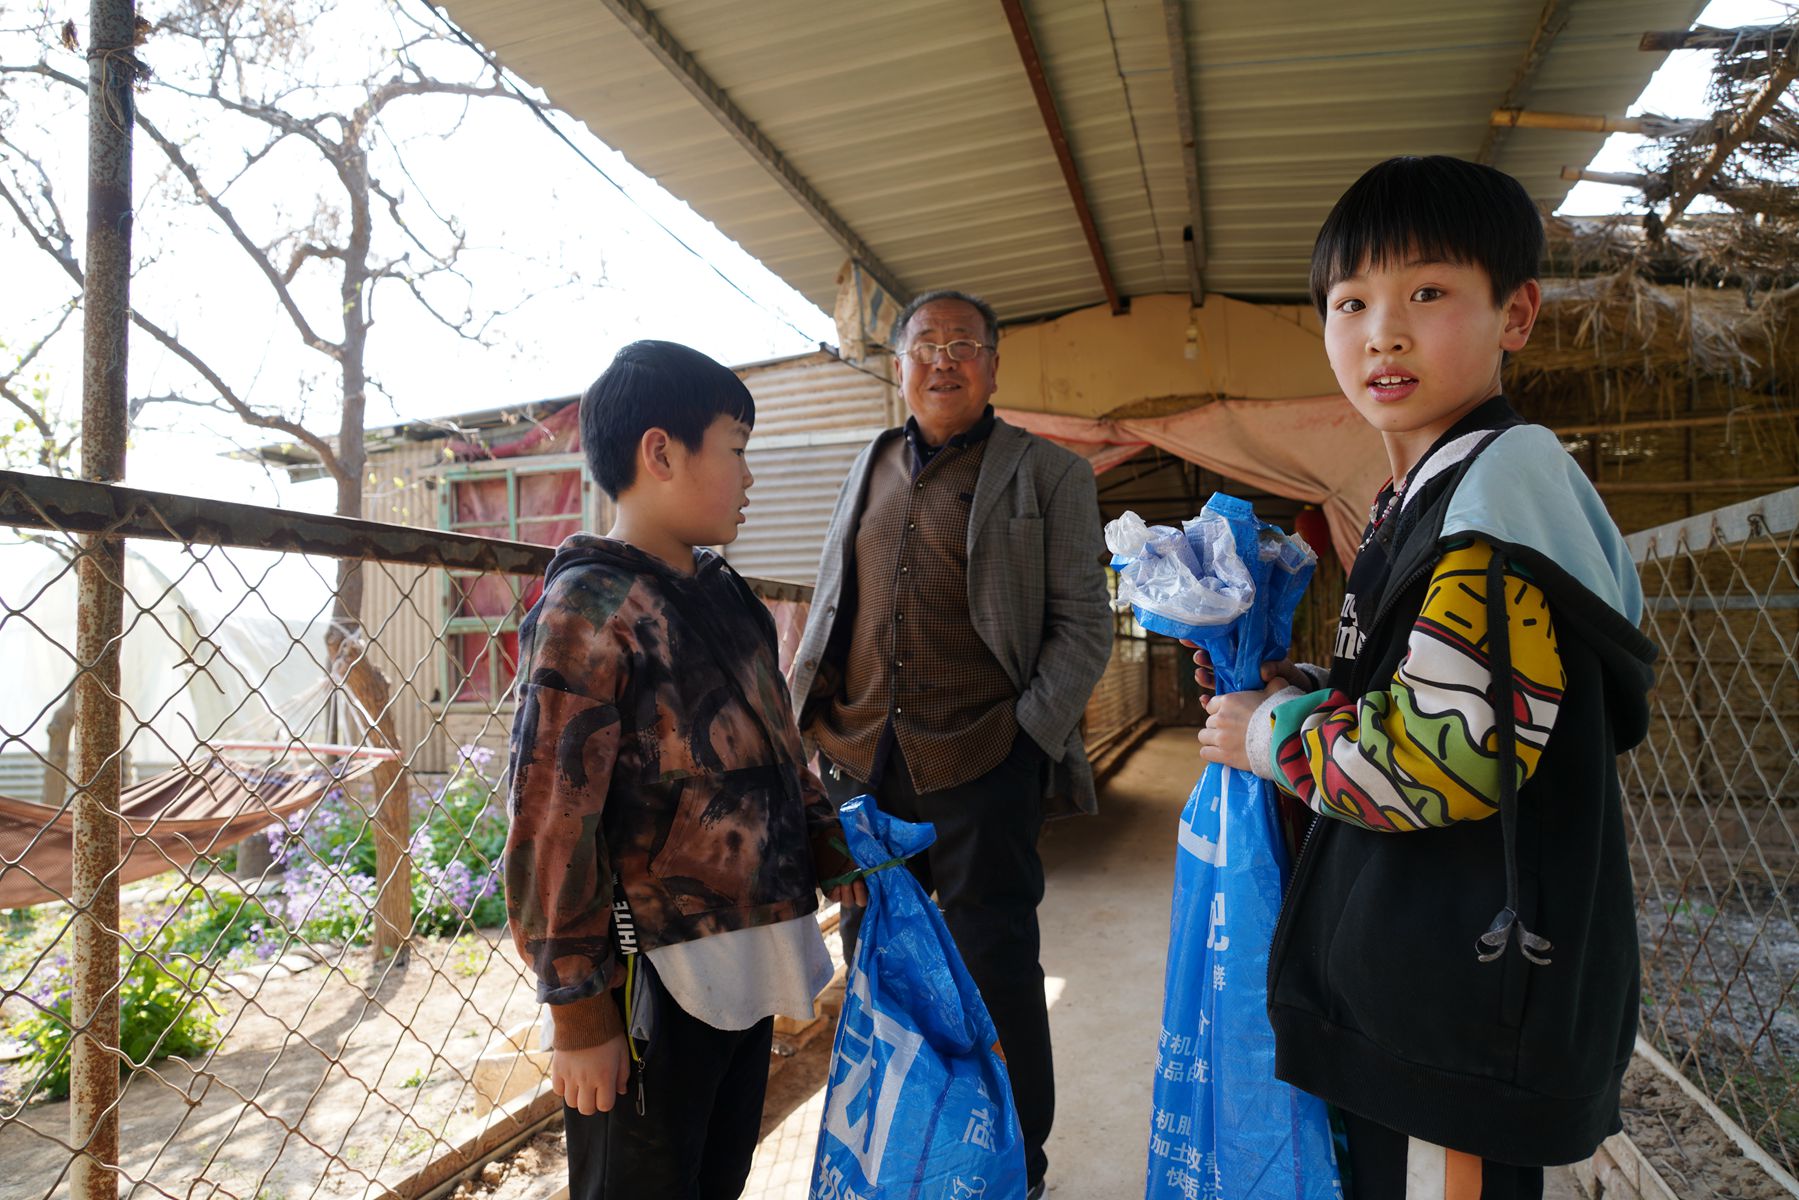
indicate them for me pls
(301, 922)
(1713, 809)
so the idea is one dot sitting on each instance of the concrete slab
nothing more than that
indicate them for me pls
(1105, 941)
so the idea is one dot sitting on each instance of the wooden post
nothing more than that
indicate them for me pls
(391, 813)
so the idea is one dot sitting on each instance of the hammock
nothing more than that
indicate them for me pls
(200, 807)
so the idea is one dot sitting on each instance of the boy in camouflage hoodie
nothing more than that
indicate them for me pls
(667, 837)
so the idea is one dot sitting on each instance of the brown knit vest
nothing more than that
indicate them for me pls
(914, 654)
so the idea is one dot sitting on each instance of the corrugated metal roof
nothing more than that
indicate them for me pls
(1295, 100)
(915, 121)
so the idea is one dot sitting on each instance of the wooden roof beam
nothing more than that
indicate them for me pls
(655, 37)
(1058, 138)
(1550, 22)
(1174, 15)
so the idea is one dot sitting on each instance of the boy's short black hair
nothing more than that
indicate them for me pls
(1436, 208)
(655, 385)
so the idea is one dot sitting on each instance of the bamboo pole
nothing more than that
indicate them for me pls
(1674, 487)
(1693, 422)
(1521, 118)
(1615, 178)
(106, 308)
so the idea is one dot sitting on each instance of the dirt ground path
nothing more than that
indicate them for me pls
(343, 1060)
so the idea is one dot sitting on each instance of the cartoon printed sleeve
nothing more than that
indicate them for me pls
(1424, 753)
(565, 739)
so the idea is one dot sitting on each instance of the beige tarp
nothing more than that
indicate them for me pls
(1317, 449)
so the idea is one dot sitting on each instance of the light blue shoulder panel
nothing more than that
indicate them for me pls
(1525, 490)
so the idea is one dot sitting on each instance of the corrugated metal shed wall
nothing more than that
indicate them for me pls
(816, 394)
(813, 416)
(790, 506)
(403, 606)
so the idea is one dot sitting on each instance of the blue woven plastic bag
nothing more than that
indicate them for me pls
(1222, 1127)
(918, 1105)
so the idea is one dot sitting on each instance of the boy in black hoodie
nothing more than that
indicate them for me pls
(1455, 966)
(667, 836)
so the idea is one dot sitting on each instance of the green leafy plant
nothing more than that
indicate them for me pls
(163, 1012)
(210, 926)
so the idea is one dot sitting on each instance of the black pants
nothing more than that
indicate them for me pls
(1377, 1167)
(988, 879)
(703, 1090)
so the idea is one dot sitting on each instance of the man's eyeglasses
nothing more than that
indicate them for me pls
(960, 350)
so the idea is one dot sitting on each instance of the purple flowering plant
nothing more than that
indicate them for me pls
(459, 833)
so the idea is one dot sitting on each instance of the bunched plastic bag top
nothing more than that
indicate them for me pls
(918, 1104)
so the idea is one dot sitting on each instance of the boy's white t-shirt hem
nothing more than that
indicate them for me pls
(732, 980)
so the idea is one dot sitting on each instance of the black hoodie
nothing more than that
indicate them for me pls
(1379, 1001)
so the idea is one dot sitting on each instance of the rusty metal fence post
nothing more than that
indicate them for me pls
(106, 306)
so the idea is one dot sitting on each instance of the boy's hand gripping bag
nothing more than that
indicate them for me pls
(1222, 1127)
(918, 1104)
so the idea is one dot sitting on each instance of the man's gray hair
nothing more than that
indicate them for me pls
(988, 316)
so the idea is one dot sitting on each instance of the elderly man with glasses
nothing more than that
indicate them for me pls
(958, 628)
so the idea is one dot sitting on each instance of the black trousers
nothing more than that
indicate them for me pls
(703, 1090)
(988, 879)
(1378, 1156)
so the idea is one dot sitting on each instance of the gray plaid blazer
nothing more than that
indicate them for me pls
(1036, 593)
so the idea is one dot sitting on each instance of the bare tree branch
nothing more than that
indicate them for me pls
(63, 248)
(50, 452)
(226, 217)
(138, 404)
(308, 250)
(459, 327)
(393, 210)
(68, 310)
(327, 455)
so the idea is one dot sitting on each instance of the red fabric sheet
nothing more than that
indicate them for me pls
(167, 822)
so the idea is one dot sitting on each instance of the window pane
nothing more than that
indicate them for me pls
(480, 596)
(548, 533)
(468, 657)
(549, 494)
(507, 645)
(479, 506)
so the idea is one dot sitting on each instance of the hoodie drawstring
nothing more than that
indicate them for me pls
(1493, 942)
